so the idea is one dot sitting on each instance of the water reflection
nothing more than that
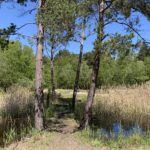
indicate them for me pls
(118, 130)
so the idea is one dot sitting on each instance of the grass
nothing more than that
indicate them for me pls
(37, 138)
(94, 138)
(127, 106)
(16, 114)
(34, 140)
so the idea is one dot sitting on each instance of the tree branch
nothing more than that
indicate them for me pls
(30, 23)
(27, 12)
(108, 6)
(23, 35)
(129, 26)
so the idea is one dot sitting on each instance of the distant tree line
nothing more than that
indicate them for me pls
(17, 63)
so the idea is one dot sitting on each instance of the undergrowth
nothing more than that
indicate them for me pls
(95, 138)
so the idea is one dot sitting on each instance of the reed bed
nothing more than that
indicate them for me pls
(16, 114)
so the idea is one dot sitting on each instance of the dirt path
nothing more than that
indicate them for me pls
(59, 135)
(68, 142)
(60, 142)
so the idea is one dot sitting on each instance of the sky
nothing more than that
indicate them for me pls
(11, 13)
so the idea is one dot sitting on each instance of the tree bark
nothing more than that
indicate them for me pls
(39, 95)
(88, 108)
(78, 67)
(52, 73)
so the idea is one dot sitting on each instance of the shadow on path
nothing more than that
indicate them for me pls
(63, 120)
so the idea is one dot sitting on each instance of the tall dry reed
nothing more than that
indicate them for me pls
(16, 113)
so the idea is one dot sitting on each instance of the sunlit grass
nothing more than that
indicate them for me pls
(38, 138)
(16, 114)
(126, 105)
(95, 139)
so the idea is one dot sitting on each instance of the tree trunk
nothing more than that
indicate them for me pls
(78, 67)
(39, 95)
(52, 73)
(88, 108)
(48, 98)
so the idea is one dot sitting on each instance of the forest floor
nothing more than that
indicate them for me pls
(59, 136)
(60, 141)
(60, 133)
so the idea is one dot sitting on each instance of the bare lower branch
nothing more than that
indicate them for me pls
(28, 12)
(30, 23)
(129, 26)
(23, 35)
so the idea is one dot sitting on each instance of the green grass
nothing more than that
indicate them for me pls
(109, 107)
(38, 138)
(93, 138)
